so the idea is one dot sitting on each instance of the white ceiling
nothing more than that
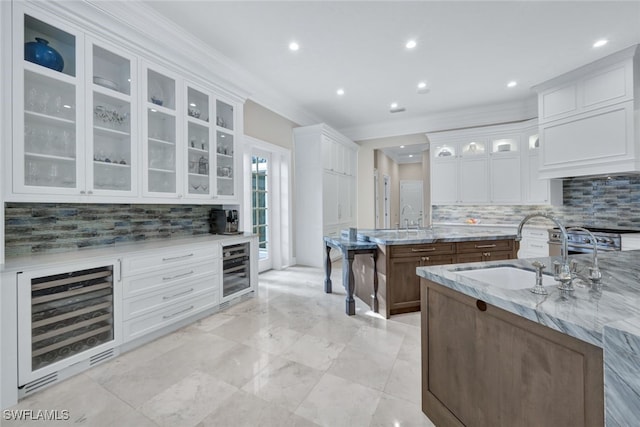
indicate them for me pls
(467, 51)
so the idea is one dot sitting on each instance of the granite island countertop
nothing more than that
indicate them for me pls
(435, 234)
(607, 316)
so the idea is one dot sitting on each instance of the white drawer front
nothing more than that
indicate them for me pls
(169, 295)
(136, 264)
(158, 319)
(168, 277)
(535, 234)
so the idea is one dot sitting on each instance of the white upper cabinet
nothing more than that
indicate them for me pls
(48, 114)
(486, 165)
(587, 119)
(160, 137)
(102, 122)
(111, 148)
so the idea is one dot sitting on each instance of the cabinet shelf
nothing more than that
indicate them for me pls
(155, 108)
(226, 178)
(110, 132)
(111, 165)
(46, 118)
(161, 170)
(47, 72)
(103, 90)
(198, 150)
(161, 141)
(206, 175)
(198, 121)
(228, 156)
(49, 157)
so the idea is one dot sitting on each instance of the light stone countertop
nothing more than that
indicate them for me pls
(438, 233)
(17, 264)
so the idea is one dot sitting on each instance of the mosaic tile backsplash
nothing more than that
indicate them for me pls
(600, 202)
(46, 228)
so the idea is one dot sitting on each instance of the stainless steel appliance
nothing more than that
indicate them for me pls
(579, 242)
(65, 317)
(236, 270)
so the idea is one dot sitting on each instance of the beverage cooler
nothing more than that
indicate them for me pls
(236, 270)
(65, 317)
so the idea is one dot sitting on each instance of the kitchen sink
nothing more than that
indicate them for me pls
(507, 277)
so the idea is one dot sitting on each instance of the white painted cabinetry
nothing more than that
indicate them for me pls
(163, 287)
(325, 188)
(113, 125)
(534, 243)
(588, 118)
(489, 165)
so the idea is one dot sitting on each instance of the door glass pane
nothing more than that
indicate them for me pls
(224, 156)
(61, 46)
(162, 152)
(198, 152)
(111, 143)
(111, 71)
(259, 186)
(49, 132)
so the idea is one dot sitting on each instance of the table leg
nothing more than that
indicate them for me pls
(374, 300)
(348, 281)
(327, 270)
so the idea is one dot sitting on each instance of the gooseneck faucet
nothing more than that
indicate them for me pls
(564, 275)
(594, 272)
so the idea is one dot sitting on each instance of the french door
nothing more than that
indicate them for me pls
(261, 205)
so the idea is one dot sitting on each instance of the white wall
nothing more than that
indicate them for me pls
(366, 200)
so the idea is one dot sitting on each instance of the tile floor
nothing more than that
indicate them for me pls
(288, 357)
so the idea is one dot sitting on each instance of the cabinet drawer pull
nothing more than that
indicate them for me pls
(482, 306)
(165, 298)
(485, 246)
(177, 257)
(169, 316)
(178, 276)
(423, 250)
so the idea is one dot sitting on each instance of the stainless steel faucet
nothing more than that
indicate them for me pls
(594, 272)
(564, 275)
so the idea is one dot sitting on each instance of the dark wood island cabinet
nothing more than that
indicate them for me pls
(398, 286)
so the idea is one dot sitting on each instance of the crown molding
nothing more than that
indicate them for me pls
(464, 117)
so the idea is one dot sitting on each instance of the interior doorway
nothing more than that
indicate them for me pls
(260, 204)
(411, 203)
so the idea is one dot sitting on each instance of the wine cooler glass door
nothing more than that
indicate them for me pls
(64, 317)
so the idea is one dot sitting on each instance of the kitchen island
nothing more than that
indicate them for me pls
(550, 359)
(389, 278)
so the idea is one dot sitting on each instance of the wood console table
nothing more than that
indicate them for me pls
(349, 250)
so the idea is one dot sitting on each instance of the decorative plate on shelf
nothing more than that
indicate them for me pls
(105, 83)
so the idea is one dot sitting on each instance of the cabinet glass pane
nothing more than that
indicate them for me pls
(49, 132)
(198, 105)
(224, 157)
(473, 148)
(111, 71)
(198, 159)
(224, 115)
(161, 90)
(111, 143)
(504, 145)
(444, 151)
(161, 152)
(43, 34)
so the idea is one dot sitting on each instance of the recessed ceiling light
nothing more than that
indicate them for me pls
(394, 105)
(512, 84)
(411, 44)
(600, 43)
(192, 104)
(410, 155)
(67, 106)
(402, 146)
(422, 85)
(340, 91)
(294, 46)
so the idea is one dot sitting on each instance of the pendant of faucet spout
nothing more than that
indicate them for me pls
(563, 230)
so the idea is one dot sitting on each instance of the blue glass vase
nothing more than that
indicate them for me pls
(41, 53)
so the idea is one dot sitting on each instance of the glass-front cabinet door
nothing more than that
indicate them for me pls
(48, 120)
(225, 151)
(112, 137)
(198, 156)
(161, 138)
